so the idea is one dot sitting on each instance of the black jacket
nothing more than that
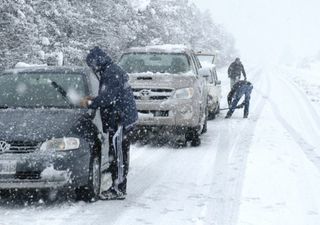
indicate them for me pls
(115, 99)
(235, 70)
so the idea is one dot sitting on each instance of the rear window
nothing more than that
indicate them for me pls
(33, 90)
(206, 59)
(155, 63)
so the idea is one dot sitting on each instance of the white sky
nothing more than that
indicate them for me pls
(265, 29)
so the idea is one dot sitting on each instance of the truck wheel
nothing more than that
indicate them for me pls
(91, 191)
(194, 137)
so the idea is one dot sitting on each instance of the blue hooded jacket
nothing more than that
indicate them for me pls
(115, 99)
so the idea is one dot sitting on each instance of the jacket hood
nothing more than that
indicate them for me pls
(97, 59)
(37, 125)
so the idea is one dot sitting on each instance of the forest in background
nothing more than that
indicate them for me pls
(33, 30)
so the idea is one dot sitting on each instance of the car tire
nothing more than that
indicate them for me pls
(91, 191)
(213, 114)
(205, 125)
(218, 109)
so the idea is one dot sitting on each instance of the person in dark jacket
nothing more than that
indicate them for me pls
(234, 72)
(241, 88)
(119, 115)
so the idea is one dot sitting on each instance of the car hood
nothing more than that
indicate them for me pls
(37, 124)
(160, 80)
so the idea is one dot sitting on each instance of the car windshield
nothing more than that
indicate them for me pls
(37, 90)
(155, 63)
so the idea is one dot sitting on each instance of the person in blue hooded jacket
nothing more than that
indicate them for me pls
(240, 89)
(119, 115)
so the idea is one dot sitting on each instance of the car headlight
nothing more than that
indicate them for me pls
(184, 93)
(61, 144)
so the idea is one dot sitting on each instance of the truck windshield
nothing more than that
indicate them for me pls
(37, 90)
(155, 63)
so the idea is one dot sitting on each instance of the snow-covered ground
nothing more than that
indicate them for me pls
(263, 170)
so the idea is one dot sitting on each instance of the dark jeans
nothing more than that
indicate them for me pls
(115, 160)
(242, 91)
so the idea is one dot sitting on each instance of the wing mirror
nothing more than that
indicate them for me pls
(205, 73)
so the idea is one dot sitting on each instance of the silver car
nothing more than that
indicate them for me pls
(170, 92)
(213, 83)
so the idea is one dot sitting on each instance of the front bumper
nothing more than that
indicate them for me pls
(173, 112)
(32, 184)
(39, 170)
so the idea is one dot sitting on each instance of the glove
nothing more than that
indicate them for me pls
(85, 102)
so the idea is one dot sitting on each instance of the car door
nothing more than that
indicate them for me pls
(211, 90)
(216, 86)
(98, 122)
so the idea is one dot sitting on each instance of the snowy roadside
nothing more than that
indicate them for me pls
(282, 178)
(307, 78)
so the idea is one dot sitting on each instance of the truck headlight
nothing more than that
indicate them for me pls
(61, 144)
(184, 93)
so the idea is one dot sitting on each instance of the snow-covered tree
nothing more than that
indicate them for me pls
(34, 30)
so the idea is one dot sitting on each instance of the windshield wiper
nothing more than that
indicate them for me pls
(4, 106)
(63, 93)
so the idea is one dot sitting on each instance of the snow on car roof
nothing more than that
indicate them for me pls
(58, 69)
(161, 48)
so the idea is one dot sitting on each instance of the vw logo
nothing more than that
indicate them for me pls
(4, 146)
(145, 94)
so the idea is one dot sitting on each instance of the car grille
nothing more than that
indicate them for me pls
(152, 94)
(155, 113)
(30, 175)
(22, 147)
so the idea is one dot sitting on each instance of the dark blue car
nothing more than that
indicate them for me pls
(47, 141)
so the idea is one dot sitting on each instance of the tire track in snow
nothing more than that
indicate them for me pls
(309, 150)
(231, 163)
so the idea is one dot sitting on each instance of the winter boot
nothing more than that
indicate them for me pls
(112, 194)
(228, 116)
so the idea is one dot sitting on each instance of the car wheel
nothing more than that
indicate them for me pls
(211, 115)
(91, 191)
(205, 125)
(218, 109)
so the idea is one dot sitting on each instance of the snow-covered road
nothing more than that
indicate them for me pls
(263, 170)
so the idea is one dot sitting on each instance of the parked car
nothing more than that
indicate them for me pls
(46, 140)
(213, 83)
(170, 92)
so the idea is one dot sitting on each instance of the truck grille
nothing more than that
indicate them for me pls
(22, 147)
(152, 94)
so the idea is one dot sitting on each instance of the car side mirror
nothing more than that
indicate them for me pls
(205, 73)
(218, 82)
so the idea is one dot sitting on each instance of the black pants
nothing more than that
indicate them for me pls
(113, 168)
